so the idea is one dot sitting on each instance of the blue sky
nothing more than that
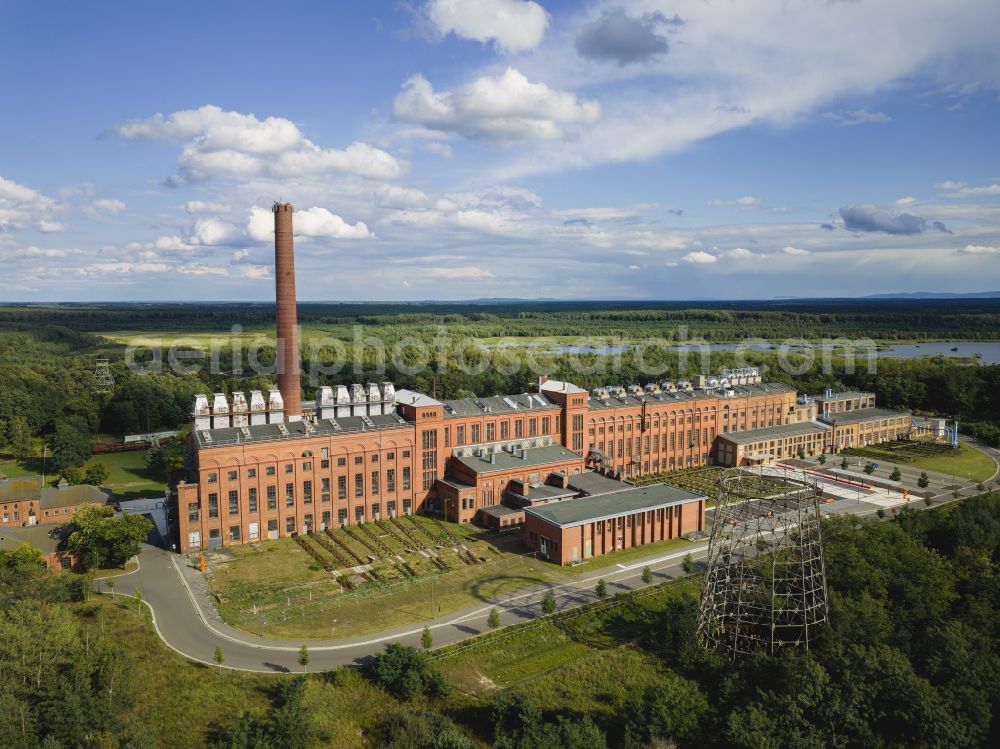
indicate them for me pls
(454, 149)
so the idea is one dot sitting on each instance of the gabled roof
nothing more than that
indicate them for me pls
(21, 490)
(505, 461)
(795, 429)
(524, 403)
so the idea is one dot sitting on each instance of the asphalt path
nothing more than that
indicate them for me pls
(186, 620)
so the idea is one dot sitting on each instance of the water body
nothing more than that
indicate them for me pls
(987, 353)
(984, 353)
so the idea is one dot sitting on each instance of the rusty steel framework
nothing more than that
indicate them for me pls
(765, 586)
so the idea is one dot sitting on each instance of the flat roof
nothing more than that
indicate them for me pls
(499, 405)
(225, 436)
(501, 511)
(505, 461)
(539, 492)
(22, 490)
(591, 482)
(795, 429)
(844, 395)
(571, 512)
(861, 414)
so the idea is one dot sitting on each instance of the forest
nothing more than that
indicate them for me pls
(48, 391)
(911, 658)
(731, 321)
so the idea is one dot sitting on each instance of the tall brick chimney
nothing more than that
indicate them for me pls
(287, 355)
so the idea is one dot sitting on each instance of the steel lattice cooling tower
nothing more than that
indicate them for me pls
(287, 353)
(765, 586)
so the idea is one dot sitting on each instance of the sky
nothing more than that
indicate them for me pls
(463, 149)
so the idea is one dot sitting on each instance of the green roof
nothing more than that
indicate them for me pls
(862, 414)
(505, 461)
(572, 512)
(795, 429)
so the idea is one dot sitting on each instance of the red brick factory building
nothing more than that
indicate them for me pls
(555, 461)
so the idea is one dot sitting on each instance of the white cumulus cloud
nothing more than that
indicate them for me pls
(311, 222)
(503, 107)
(513, 25)
(232, 144)
(700, 258)
(212, 231)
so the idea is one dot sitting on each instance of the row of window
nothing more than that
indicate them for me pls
(251, 472)
(475, 433)
(271, 493)
(234, 532)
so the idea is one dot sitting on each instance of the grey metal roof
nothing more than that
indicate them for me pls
(208, 438)
(45, 538)
(861, 414)
(501, 511)
(505, 461)
(795, 429)
(572, 512)
(591, 482)
(413, 398)
(499, 404)
(542, 492)
(682, 396)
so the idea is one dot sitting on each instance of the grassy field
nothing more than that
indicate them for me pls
(585, 661)
(280, 589)
(966, 462)
(10, 468)
(277, 588)
(624, 556)
(185, 702)
(128, 476)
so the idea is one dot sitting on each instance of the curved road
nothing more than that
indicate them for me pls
(187, 622)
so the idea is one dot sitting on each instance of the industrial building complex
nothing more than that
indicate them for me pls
(555, 462)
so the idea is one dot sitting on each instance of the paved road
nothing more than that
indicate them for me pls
(187, 622)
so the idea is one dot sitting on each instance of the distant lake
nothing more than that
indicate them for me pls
(990, 352)
(987, 353)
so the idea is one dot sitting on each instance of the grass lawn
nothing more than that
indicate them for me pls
(585, 663)
(130, 566)
(624, 556)
(128, 476)
(375, 607)
(967, 462)
(14, 470)
(277, 586)
(184, 702)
